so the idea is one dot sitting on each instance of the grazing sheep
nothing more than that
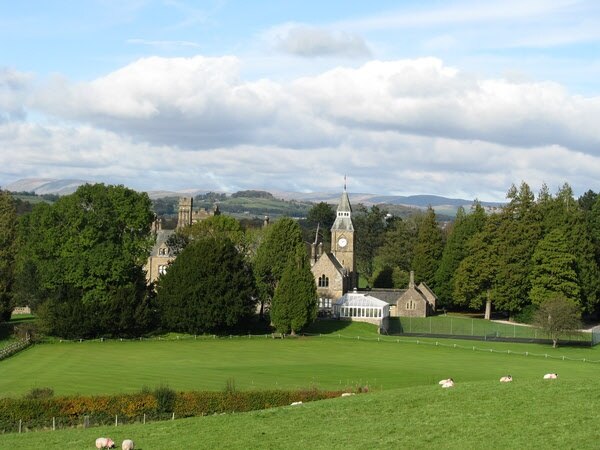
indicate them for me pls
(103, 442)
(296, 403)
(506, 379)
(551, 376)
(127, 445)
(447, 380)
(449, 383)
(347, 394)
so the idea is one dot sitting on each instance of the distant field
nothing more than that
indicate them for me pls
(346, 357)
(528, 413)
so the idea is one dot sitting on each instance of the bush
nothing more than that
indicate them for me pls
(165, 399)
(527, 314)
(39, 393)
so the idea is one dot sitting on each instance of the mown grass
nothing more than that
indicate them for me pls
(528, 413)
(340, 360)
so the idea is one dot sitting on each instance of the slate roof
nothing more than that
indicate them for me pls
(161, 238)
(343, 221)
(388, 295)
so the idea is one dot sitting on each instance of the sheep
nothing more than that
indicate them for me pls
(296, 403)
(347, 394)
(447, 380)
(506, 379)
(551, 376)
(127, 445)
(449, 383)
(103, 442)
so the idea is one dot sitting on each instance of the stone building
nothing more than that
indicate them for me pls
(161, 255)
(335, 271)
(416, 301)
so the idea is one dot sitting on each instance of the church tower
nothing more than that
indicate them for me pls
(342, 237)
(184, 217)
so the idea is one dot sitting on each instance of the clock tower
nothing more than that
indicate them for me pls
(342, 237)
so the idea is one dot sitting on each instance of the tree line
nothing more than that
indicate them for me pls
(79, 263)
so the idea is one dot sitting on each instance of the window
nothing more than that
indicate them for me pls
(411, 305)
(162, 251)
(323, 281)
(162, 269)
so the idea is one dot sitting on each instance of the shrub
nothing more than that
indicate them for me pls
(38, 393)
(165, 398)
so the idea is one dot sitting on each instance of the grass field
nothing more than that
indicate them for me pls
(336, 360)
(477, 415)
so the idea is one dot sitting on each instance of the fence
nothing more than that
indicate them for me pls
(449, 326)
(15, 347)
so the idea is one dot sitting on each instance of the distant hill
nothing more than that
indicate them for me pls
(443, 205)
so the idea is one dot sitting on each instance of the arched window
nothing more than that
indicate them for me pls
(162, 269)
(323, 281)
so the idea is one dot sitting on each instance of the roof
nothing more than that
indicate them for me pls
(360, 299)
(161, 238)
(343, 220)
(388, 295)
(336, 264)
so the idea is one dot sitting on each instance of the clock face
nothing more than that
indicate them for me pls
(342, 242)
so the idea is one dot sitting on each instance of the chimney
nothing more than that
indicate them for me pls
(320, 250)
(313, 252)
(411, 283)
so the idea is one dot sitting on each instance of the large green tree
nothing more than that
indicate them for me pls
(295, 300)
(554, 270)
(369, 226)
(82, 254)
(428, 249)
(393, 261)
(8, 238)
(465, 226)
(277, 248)
(208, 288)
(321, 215)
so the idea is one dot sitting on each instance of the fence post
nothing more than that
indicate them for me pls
(20, 425)
(144, 422)
(86, 421)
(54, 424)
(451, 329)
(472, 329)
(515, 330)
(116, 420)
(430, 325)
(173, 418)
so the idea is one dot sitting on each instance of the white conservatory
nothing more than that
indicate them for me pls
(361, 308)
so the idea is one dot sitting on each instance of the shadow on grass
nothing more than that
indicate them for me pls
(326, 326)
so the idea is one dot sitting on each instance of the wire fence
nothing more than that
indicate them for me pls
(449, 326)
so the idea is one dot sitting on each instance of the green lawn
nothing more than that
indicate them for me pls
(528, 413)
(354, 355)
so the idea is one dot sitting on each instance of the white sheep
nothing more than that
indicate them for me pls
(551, 376)
(127, 445)
(447, 380)
(103, 442)
(296, 403)
(449, 383)
(347, 394)
(506, 379)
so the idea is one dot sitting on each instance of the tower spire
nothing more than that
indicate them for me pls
(344, 182)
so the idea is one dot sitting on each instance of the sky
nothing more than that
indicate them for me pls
(455, 98)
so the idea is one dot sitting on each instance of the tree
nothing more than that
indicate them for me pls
(83, 252)
(214, 226)
(557, 315)
(465, 226)
(8, 237)
(554, 270)
(208, 288)
(323, 215)
(428, 249)
(395, 255)
(275, 251)
(370, 227)
(295, 301)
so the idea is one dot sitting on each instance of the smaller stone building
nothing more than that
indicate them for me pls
(160, 256)
(416, 301)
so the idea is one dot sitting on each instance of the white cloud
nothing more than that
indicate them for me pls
(310, 41)
(408, 126)
(14, 88)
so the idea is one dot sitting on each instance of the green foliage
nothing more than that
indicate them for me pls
(295, 301)
(557, 315)
(395, 255)
(218, 226)
(40, 393)
(165, 398)
(554, 270)
(8, 248)
(428, 249)
(208, 288)
(322, 215)
(252, 194)
(369, 226)
(464, 228)
(274, 253)
(83, 255)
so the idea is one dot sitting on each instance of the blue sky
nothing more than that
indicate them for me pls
(457, 98)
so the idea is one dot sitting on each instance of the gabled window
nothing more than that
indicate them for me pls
(323, 281)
